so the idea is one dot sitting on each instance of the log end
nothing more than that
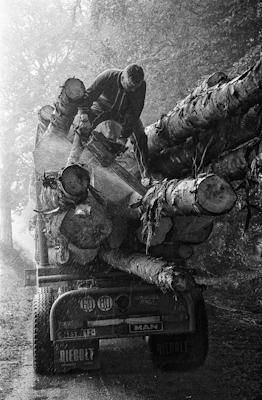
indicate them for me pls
(75, 180)
(45, 113)
(87, 225)
(215, 195)
(74, 89)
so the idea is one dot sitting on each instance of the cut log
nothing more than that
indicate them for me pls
(65, 188)
(234, 165)
(227, 137)
(75, 181)
(85, 226)
(67, 104)
(52, 151)
(208, 194)
(45, 114)
(152, 270)
(202, 108)
(207, 123)
(44, 117)
(71, 255)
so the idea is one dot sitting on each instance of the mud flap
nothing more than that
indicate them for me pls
(183, 352)
(82, 355)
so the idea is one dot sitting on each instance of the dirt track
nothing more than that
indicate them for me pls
(232, 369)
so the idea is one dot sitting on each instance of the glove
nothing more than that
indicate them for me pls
(146, 182)
(122, 140)
(84, 121)
(85, 127)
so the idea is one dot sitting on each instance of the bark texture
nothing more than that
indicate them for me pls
(206, 195)
(67, 104)
(216, 117)
(152, 270)
(85, 226)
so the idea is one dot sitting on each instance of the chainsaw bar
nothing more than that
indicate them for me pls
(105, 153)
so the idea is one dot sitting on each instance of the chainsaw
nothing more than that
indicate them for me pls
(106, 150)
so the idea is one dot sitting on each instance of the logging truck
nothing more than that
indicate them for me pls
(96, 278)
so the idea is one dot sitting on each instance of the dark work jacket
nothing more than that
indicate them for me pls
(110, 95)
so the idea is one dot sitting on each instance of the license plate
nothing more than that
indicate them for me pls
(148, 327)
(72, 334)
(81, 354)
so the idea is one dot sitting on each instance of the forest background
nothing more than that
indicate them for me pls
(178, 43)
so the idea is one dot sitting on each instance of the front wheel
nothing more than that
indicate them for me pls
(43, 352)
(182, 352)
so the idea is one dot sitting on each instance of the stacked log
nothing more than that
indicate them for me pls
(64, 188)
(52, 151)
(44, 116)
(205, 195)
(67, 104)
(75, 218)
(76, 235)
(215, 118)
(153, 270)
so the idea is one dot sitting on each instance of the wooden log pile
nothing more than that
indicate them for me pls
(209, 139)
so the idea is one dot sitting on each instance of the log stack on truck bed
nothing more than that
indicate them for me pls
(89, 211)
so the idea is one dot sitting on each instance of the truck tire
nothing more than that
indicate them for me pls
(43, 352)
(182, 352)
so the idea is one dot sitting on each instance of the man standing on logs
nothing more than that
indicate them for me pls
(119, 95)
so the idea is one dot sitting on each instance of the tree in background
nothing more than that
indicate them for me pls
(36, 54)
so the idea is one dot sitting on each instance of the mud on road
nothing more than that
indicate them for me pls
(233, 369)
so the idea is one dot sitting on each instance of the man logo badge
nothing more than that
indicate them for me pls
(134, 328)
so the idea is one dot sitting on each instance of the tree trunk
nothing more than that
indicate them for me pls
(5, 217)
(64, 189)
(66, 254)
(207, 194)
(234, 165)
(213, 103)
(6, 178)
(85, 226)
(215, 118)
(45, 114)
(67, 104)
(152, 270)
(53, 146)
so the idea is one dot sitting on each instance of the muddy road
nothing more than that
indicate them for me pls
(233, 369)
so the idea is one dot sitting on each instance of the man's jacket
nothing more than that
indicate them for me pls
(108, 94)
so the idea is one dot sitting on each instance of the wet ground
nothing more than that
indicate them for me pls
(233, 369)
